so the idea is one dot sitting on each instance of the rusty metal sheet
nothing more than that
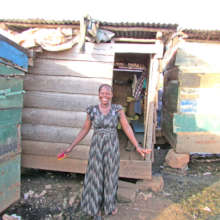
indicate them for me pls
(10, 181)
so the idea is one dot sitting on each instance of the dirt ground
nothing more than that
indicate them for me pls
(192, 194)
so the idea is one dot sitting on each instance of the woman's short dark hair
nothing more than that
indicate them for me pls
(105, 85)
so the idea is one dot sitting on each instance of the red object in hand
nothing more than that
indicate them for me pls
(61, 156)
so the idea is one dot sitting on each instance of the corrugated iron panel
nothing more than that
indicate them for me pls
(140, 24)
(202, 34)
(102, 23)
(39, 21)
(136, 34)
(139, 30)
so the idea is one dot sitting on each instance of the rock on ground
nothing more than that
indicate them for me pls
(126, 191)
(176, 160)
(156, 184)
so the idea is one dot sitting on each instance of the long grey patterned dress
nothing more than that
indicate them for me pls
(101, 178)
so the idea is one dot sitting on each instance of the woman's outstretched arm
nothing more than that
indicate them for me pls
(83, 132)
(130, 134)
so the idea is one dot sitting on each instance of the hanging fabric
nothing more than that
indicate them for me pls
(139, 86)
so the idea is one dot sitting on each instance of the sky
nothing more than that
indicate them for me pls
(195, 14)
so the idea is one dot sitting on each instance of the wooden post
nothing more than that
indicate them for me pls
(149, 136)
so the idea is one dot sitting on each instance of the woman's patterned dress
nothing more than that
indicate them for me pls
(101, 178)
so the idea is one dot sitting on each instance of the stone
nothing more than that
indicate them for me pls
(126, 195)
(144, 196)
(126, 191)
(125, 184)
(176, 160)
(48, 186)
(10, 217)
(72, 200)
(156, 184)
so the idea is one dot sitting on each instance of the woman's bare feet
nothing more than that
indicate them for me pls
(115, 211)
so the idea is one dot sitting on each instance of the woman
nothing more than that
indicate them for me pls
(101, 178)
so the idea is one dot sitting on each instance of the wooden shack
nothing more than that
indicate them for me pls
(60, 86)
(191, 89)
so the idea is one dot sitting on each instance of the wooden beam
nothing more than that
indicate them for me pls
(134, 40)
(198, 142)
(60, 84)
(53, 134)
(102, 52)
(50, 149)
(53, 117)
(128, 169)
(74, 68)
(59, 101)
(146, 29)
(136, 48)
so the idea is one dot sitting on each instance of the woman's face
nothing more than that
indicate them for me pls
(105, 95)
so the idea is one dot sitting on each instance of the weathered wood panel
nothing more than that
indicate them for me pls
(9, 131)
(198, 57)
(15, 84)
(53, 117)
(139, 48)
(8, 140)
(15, 101)
(11, 93)
(167, 127)
(93, 52)
(52, 134)
(8, 70)
(59, 101)
(199, 100)
(52, 149)
(199, 80)
(10, 116)
(74, 85)
(170, 96)
(10, 181)
(82, 69)
(171, 74)
(198, 142)
(196, 123)
(129, 169)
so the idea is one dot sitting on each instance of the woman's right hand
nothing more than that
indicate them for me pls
(68, 150)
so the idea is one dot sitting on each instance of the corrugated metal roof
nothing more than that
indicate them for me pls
(102, 23)
(211, 35)
(138, 30)
(40, 21)
(140, 24)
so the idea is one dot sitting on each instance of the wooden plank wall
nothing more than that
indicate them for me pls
(190, 106)
(59, 87)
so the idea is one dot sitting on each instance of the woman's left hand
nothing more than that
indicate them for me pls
(143, 151)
